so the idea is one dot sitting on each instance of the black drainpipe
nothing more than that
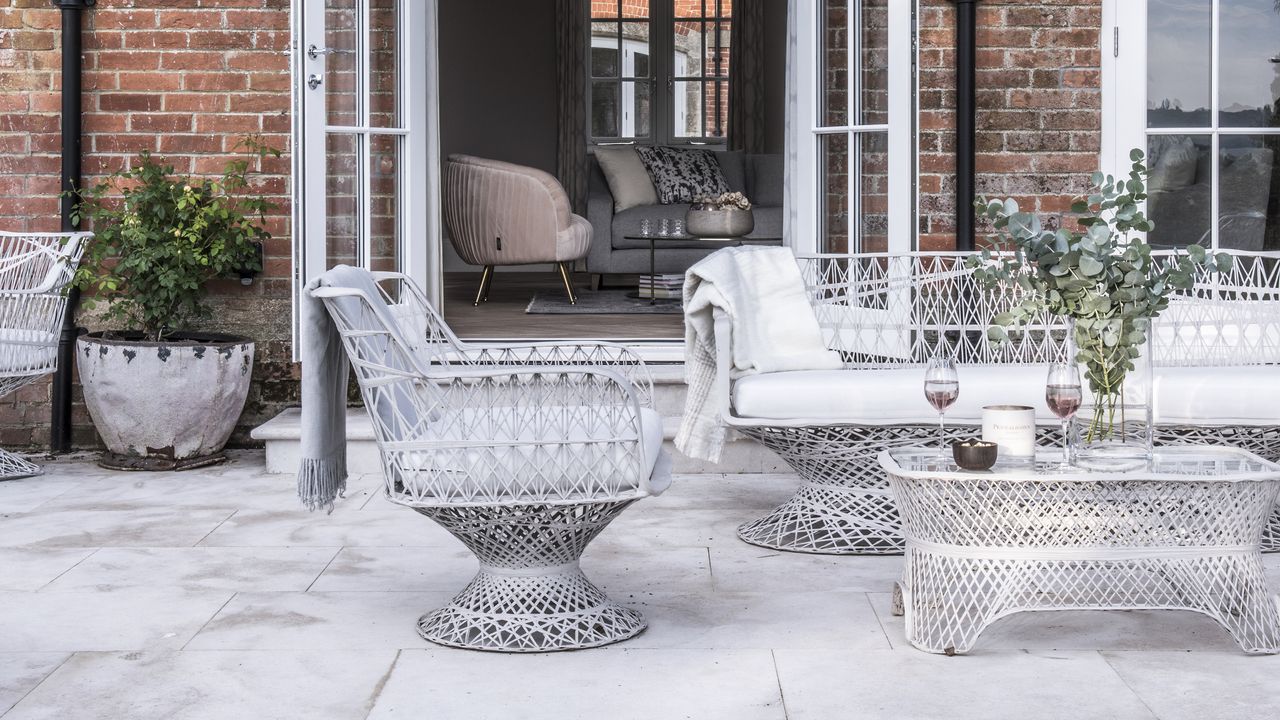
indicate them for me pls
(966, 123)
(60, 425)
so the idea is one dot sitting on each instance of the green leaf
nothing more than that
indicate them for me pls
(1090, 266)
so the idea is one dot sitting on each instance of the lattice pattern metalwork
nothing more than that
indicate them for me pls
(1181, 535)
(525, 452)
(35, 270)
(893, 311)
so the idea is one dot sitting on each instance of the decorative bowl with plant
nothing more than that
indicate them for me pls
(1102, 278)
(720, 216)
(162, 394)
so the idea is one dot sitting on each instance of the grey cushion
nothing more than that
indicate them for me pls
(681, 175)
(764, 180)
(628, 181)
(733, 163)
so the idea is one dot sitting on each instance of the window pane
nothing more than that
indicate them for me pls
(687, 50)
(873, 57)
(834, 60)
(604, 50)
(1249, 74)
(726, 8)
(1178, 191)
(716, 46)
(1178, 62)
(635, 45)
(604, 8)
(717, 104)
(384, 64)
(384, 205)
(341, 33)
(636, 120)
(873, 191)
(604, 108)
(635, 8)
(688, 108)
(833, 157)
(690, 8)
(342, 190)
(1249, 192)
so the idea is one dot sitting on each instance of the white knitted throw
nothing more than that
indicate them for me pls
(760, 291)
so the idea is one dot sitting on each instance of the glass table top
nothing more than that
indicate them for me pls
(1171, 462)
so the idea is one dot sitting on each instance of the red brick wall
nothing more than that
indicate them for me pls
(1039, 97)
(185, 79)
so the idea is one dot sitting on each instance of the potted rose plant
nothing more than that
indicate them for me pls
(161, 394)
(1105, 281)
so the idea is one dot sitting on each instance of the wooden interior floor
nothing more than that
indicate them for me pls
(503, 316)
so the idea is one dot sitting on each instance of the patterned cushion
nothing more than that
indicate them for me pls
(681, 175)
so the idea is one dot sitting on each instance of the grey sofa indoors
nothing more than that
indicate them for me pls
(1179, 202)
(757, 176)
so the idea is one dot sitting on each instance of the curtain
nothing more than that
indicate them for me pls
(746, 77)
(571, 92)
(791, 151)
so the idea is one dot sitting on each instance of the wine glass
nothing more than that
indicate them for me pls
(1063, 393)
(941, 388)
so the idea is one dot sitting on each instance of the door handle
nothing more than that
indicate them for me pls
(314, 80)
(314, 52)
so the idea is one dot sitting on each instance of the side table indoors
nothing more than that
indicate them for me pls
(1180, 533)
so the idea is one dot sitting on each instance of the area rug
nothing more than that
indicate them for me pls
(600, 302)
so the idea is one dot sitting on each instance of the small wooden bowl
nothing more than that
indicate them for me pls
(974, 454)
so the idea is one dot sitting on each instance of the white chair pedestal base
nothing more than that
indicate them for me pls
(530, 594)
(13, 467)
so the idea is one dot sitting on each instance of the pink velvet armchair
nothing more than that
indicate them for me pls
(498, 213)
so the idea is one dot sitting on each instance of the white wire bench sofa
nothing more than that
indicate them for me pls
(1216, 353)
(524, 452)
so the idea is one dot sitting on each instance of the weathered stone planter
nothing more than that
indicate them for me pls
(164, 405)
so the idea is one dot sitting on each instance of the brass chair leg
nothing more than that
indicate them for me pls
(568, 286)
(486, 278)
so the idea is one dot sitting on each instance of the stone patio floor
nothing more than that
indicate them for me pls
(211, 594)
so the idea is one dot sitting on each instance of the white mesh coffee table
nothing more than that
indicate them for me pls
(1182, 533)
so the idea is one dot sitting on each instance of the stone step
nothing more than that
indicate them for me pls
(282, 438)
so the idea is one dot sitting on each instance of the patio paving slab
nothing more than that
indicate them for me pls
(616, 683)
(31, 568)
(209, 686)
(156, 526)
(983, 686)
(133, 619)
(319, 621)
(739, 567)
(1193, 686)
(292, 526)
(20, 672)
(197, 568)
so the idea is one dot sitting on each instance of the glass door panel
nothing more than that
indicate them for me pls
(1213, 123)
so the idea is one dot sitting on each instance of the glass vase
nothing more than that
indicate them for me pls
(1112, 428)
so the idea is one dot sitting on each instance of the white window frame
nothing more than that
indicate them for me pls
(807, 132)
(1124, 98)
(419, 250)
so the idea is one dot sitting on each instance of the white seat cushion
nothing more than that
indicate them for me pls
(1244, 395)
(887, 397)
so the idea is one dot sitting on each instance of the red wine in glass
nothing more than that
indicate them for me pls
(1063, 393)
(1064, 400)
(941, 395)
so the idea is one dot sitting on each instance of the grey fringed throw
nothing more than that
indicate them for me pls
(322, 476)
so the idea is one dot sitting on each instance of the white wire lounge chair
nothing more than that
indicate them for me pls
(35, 270)
(524, 452)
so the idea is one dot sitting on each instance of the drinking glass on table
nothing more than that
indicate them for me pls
(941, 388)
(677, 228)
(645, 227)
(664, 228)
(1063, 393)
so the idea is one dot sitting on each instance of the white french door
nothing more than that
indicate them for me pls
(366, 163)
(1195, 84)
(851, 148)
